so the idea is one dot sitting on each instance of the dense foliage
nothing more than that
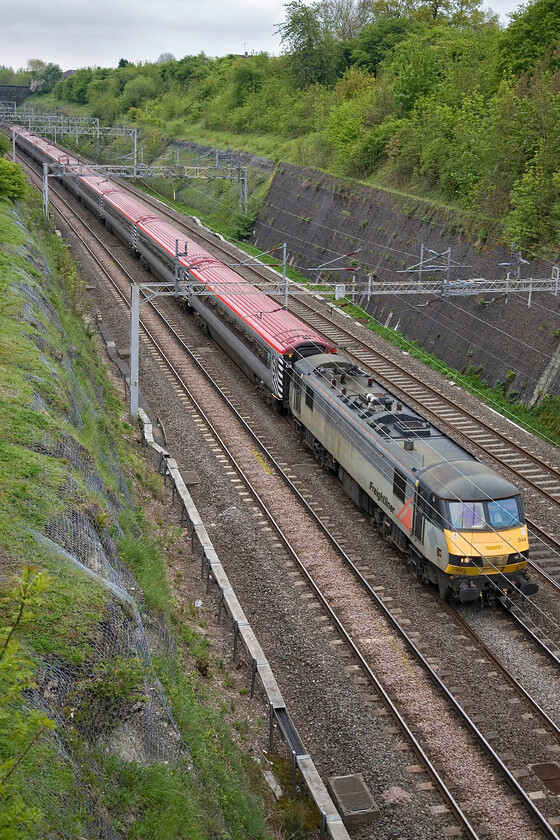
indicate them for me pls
(432, 97)
(38, 75)
(74, 673)
(12, 180)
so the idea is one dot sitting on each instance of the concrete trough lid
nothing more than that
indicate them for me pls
(353, 800)
(190, 477)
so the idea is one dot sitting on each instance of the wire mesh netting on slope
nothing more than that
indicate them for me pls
(109, 703)
(96, 680)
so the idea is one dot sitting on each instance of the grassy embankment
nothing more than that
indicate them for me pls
(66, 452)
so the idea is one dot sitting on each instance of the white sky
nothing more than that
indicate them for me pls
(82, 33)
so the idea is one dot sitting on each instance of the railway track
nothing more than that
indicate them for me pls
(526, 467)
(365, 657)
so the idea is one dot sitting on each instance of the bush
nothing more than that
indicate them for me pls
(12, 180)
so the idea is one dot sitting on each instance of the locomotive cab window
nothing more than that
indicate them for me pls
(505, 513)
(466, 516)
(399, 486)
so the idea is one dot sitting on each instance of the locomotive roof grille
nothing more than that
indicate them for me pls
(410, 427)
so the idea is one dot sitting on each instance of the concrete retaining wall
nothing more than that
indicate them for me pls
(320, 216)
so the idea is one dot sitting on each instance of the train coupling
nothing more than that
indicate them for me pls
(520, 585)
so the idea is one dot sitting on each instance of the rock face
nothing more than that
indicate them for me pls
(321, 217)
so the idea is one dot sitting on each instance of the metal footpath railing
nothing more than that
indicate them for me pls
(213, 571)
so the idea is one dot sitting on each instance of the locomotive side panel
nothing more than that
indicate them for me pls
(366, 468)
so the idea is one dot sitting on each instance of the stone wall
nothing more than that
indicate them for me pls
(14, 93)
(321, 217)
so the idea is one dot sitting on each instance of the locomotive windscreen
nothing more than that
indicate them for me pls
(474, 516)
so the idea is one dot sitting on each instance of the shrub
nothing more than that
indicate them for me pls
(12, 180)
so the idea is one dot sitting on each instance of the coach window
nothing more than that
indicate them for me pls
(399, 486)
(309, 395)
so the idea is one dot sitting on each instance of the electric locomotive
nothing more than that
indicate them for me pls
(460, 524)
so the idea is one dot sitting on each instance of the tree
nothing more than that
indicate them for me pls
(20, 726)
(74, 88)
(534, 32)
(459, 12)
(35, 66)
(309, 45)
(122, 62)
(136, 91)
(377, 39)
(8, 76)
(188, 68)
(536, 204)
(165, 58)
(51, 75)
(418, 76)
(345, 18)
(246, 78)
(470, 11)
(43, 76)
(392, 8)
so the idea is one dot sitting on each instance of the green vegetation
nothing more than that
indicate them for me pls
(12, 180)
(75, 754)
(38, 75)
(434, 99)
(20, 726)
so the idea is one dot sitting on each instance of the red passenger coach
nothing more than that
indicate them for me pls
(264, 339)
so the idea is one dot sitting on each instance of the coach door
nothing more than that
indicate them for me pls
(421, 511)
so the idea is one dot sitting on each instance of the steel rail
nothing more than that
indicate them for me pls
(510, 778)
(527, 630)
(494, 658)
